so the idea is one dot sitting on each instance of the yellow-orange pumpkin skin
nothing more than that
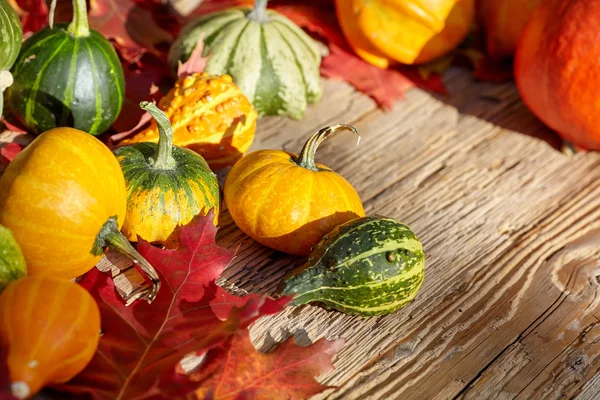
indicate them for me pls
(56, 195)
(385, 32)
(50, 328)
(287, 202)
(209, 115)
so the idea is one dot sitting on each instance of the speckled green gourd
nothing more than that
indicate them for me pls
(368, 266)
(67, 75)
(273, 61)
(11, 36)
(12, 262)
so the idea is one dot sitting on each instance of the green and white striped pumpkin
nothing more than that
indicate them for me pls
(11, 36)
(271, 60)
(12, 261)
(368, 266)
(67, 75)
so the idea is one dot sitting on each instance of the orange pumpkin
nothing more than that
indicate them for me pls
(64, 199)
(209, 115)
(503, 22)
(287, 202)
(50, 328)
(384, 32)
(557, 68)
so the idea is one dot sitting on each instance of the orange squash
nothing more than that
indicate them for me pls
(209, 115)
(557, 68)
(287, 202)
(384, 32)
(64, 199)
(50, 328)
(503, 22)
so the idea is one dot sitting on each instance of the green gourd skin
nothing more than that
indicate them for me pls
(368, 266)
(67, 75)
(273, 61)
(11, 36)
(12, 261)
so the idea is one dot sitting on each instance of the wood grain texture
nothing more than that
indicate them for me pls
(510, 307)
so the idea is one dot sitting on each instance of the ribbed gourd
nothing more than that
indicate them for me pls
(209, 115)
(273, 61)
(12, 262)
(369, 266)
(67, 75)
(11, 36)
(167, 186)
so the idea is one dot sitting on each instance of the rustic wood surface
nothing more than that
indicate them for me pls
(510, 223)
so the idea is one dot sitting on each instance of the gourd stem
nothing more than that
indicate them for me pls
(259, 12)
(306, 159)
(6, 79)
(79, 26)
(163, 158)
(110, 236)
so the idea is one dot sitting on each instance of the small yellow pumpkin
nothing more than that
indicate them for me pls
(209, 115)
(51, 328)
(287, 202)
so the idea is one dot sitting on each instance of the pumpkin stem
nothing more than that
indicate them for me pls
(306, 159)
(163, 158)
(110, 236)
(259, 12)
(79, 26)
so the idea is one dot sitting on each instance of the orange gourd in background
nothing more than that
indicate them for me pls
(503, 22)
(50, 328)
(557, 68)
(287, 202)
(384, 32)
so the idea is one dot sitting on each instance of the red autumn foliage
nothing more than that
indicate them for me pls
(33, 14)
(237, 371)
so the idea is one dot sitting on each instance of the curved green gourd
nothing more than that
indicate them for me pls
(11, 36)
(67, 75)
(369, 266)
(272, 60)
(12, 262)
(167, 186)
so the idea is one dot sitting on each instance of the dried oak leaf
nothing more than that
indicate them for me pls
(142, 345)
(237, 371)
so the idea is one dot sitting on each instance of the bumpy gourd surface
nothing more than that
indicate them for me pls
(369, 266)
(274, 63)
(10, 35)
(209, 115)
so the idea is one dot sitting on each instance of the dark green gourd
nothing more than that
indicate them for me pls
(67, 75)
(273, 61)
(368, 266)
(11, 36)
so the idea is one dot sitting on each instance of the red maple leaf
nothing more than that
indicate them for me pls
(33, 14)
(141, 345)
(237, 371)
(10, 150)
(135, 26)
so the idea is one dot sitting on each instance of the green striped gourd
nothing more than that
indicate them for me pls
(271, 60)
(11, 36)
(67, 75)
(167, 186)
(12, 262)
(368, 266)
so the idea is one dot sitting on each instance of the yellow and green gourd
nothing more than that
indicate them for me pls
(273, 61)
(368, 266)
(167, 186)
(12, 262)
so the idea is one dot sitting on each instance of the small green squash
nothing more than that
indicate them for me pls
(369, 266)
(167, 186)
(67, 75)
(12, 262)
(271, 60)
(11, 36)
